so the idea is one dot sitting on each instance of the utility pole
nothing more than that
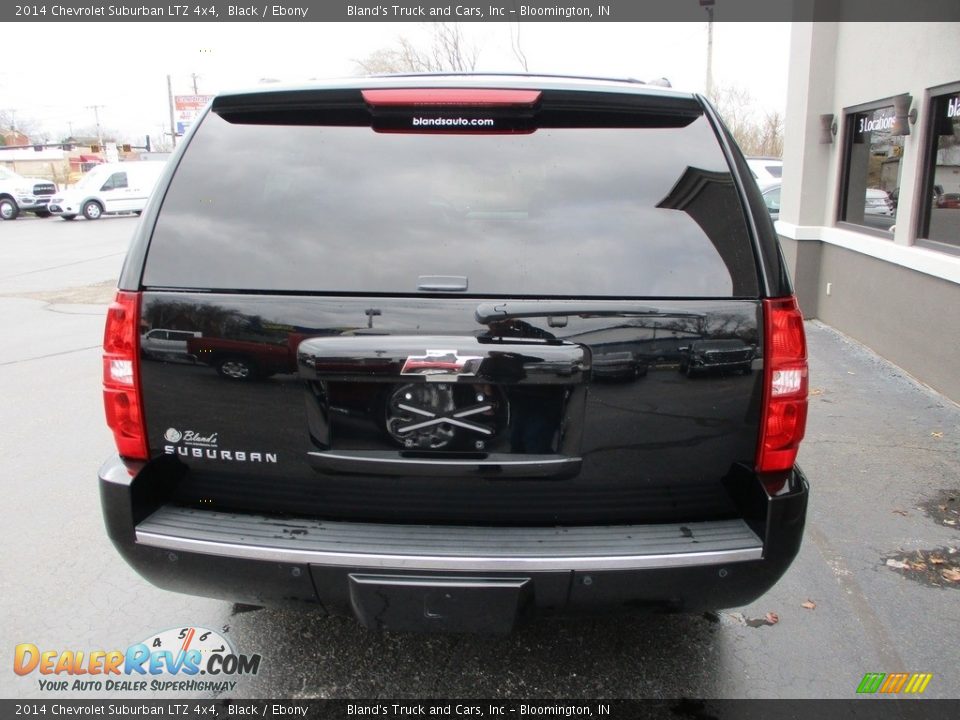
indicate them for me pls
(708, 5)
(173, 129)
(194, 76)
(96, 115)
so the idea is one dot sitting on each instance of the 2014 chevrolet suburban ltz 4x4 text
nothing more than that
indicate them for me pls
(435, 450)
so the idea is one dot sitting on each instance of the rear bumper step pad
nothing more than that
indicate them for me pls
(457, 548)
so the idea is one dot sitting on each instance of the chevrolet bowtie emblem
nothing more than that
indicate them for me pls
(442, 365)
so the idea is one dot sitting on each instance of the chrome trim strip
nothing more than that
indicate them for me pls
(435, 562)
(431, 461)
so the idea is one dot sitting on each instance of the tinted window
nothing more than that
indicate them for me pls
(563, 212)
(941, 209)
(872, 171)
(115, 181)
(775, 170)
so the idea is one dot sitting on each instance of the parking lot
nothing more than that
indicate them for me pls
(869, 592)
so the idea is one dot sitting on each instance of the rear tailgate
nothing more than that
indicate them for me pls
(445, 292)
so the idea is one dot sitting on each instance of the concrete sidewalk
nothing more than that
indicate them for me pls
(882, 453)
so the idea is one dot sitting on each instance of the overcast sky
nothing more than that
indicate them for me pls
(52, 72)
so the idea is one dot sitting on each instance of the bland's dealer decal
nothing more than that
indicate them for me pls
(158, 663)
(205, 446)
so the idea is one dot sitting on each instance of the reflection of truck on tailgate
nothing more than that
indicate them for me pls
(705, 355)
(246, 359)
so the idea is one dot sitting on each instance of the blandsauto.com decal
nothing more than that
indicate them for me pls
(188, 659)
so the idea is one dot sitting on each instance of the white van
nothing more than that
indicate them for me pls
(109, 188)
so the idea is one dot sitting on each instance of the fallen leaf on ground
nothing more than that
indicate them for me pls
(936, 434)
(772, 618)
(899, 564)
(809, 605)
(816, 391)
(951, 575)
(900, 512)
(936, 560)
(918, 566)
(949, 522)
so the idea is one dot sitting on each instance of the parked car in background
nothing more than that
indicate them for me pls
(771, 198)
(878, 202)
(766, 170)
(23, 194)
(717, 355)
(934, 197)
(618, 365)
(949, 201)
(163, 344)
(109, 188)
(246, 359)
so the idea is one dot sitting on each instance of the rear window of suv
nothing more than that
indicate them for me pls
(574, 211)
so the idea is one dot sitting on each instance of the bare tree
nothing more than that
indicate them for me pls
(734, 104)
(10, 120)
(517, 47)
(161, 143)
(755, 136)
(772, 134)
(449, 51)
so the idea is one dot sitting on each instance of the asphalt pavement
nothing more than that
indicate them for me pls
(866, 594)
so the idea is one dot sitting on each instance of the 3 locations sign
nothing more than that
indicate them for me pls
(874, 121)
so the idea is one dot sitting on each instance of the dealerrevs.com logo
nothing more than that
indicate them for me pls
(189, 659)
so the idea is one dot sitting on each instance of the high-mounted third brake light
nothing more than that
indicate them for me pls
(450, 97)
(783, 417)
(121, 376)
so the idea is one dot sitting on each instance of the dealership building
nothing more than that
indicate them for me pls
(870, 202)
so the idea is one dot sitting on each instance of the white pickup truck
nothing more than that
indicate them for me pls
(21, 194)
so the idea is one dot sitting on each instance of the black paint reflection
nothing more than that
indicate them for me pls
(636, 432)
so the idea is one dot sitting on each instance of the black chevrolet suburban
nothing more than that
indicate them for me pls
(440, 260)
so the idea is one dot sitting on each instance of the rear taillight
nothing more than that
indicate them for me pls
(784, 413)
(121, 376)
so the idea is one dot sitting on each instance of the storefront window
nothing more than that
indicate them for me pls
(871, 185)
(940, 214)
